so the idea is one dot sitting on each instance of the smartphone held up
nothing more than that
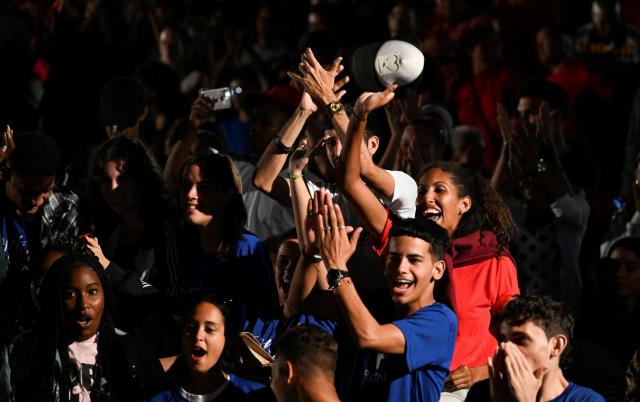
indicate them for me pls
(222, 96)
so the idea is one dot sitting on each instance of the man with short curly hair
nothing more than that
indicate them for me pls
(535, 334)
(33, 211)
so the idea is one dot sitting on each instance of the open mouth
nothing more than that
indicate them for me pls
(198, 353)
(83, 322)
(400, 286)
(432, 213)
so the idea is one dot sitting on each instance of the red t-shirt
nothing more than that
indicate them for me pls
(477, 292)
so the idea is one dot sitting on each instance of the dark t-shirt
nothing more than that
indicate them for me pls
(238, 389)
(243, 277)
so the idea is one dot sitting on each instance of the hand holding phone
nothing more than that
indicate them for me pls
(222, 96)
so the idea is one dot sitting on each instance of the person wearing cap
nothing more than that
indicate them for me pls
(397, 190)
(123, 107)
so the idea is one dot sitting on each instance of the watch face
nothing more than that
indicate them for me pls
(335, 107)
(334, 275)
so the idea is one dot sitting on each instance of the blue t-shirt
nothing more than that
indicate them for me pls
(237, 389)
(576, 393)
(267, 331)
(243, 275)
(419, 373)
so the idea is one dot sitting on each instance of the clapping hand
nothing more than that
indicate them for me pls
(332, 235)
(319, 82)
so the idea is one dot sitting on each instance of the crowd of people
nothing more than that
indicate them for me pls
(218, 201)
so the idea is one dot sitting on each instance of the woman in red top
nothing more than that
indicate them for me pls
(482, 273)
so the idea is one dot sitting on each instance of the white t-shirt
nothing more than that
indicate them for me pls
(403, 202)
(82, 357)
(265, 216)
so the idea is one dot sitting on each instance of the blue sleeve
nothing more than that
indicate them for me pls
(430, 335)
(328, 325)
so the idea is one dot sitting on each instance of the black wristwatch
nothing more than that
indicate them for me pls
(335, 108)
(280, 147)
(335, 276)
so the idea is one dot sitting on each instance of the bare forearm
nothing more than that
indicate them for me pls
(362, 198)
(366, 331)
(272, 162)
(299, 201)
(302, 284)
(340, 124)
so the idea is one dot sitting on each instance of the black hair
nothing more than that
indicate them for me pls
(288, 235)
(550, 315)
(309, 348)
(221, 171)
(488, 210)
(139, 165)
(425, 229)
(435, 126)
(68, 245)
(52, 338)
(630, 243)
(229, 358)
(549, 92)
(63, 245)
(35, 155)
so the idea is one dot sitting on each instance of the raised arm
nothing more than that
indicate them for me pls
(321, 84)
(372, 212)
(308, 290)
(300, 196)
(323, 87)
(200, 113)
(336, 248)
(267, 174)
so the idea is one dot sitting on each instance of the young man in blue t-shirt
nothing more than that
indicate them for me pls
(407, 359)
(526, 366)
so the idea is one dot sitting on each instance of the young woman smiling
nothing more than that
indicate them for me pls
(222, 258)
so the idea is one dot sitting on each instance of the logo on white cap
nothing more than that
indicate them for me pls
(388, 63)
(398, 62)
